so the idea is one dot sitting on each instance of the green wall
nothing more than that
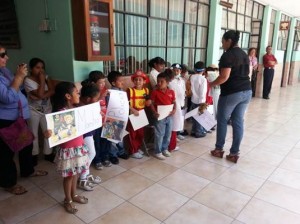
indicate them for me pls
(55, 47)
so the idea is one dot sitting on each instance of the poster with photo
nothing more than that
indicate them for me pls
(68, 124)
(116, 116)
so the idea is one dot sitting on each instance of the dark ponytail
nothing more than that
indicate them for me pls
(233, 35)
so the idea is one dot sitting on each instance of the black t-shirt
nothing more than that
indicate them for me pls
(236, 59)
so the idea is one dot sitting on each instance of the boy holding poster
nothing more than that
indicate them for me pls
(163, 128)
(116, 81)
(138, 98)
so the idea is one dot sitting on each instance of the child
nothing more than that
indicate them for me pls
(163, 128)
(157, 66)
(39, 90)
(116, 81)
(71, 156)
(102, 145)
(138, 98)
(89, 94)
(199, 89)
(178, 86)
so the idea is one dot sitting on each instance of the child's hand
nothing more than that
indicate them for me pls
(172, 113)
(102, 114)
(47, 133)
(148, 103)
(135, 112)
(156, 114)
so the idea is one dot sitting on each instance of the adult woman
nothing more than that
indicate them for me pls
(39, 90)
(253, 68)
(10, 96)
(235, 94)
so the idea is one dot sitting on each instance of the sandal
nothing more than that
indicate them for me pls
(69, 207)
(80, 199)
(17, 190)
(85, 185)
(39, 173)
(232, 158)
(217, 153)
(94, 180)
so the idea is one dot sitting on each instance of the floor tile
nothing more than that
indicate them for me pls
(109, 172)
(240, 181)
(265, 157)
(195, 213)
(194, 149)
(205, 169)
(154, 169)
(127, 184)
(159, 201)
(179, 159)
(126, 213)
(286, 177)
(280, 195)
(222, 199)
(290, 164)
(261, 212)
(100, 202)
(184, 183)
(15, 209)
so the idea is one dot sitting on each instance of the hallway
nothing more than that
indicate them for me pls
(191, 187)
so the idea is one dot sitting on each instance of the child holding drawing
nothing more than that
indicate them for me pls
(138, 98)
(163, 128)
(72, 156)
(89, 94)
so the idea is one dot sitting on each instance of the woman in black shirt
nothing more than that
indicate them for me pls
(235, 94)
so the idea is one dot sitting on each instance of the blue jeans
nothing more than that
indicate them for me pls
(102, 147)
(232, 106)
(163, 130)
(116, 149)
(196, 127)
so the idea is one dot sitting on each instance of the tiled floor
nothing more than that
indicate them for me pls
(191, 186)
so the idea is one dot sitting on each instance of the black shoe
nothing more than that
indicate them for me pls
(35, 160)
(266, 97)
(123, 156)
(50, 157)
(114, 160)
(184, 133)
(198, 135)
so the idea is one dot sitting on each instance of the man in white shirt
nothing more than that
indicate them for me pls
(199, 89)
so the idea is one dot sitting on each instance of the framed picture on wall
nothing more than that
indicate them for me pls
(9, 31)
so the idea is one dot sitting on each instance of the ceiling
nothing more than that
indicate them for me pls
(289, 7)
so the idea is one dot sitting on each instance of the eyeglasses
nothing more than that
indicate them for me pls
(3, 54)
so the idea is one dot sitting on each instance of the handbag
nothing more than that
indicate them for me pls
(17, 136)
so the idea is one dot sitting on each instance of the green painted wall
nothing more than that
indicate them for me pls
(55, 47)
(265, 31)
(214, 34)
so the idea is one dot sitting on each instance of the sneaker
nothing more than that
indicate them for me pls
(106, 163)
(184, 133)
(94, 180)
(198, 135)
(166, 153)
(160, 156)
(99, 166)
(180, 137)
(124, 156)
(176, 148)
(114, 160)
(141, 152)
(85, 185)
(137, 155)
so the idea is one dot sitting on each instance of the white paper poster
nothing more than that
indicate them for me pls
(69, 124)
(116, 116)
(164, 111)
(140, 121)
(191, 113)
(206, 119)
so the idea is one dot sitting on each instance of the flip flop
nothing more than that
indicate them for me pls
(16, 190)
(39, 173)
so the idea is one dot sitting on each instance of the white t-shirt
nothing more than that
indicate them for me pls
(43, 105)
(199, 88)
(153, 77)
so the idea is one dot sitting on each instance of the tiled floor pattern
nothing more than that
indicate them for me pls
(191, 186)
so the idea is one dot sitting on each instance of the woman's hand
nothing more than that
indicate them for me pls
(47, 133)
(22, 71)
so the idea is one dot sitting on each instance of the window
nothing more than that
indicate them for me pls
(283, 34)
(272, 25)
(297, 37)
(175, 30)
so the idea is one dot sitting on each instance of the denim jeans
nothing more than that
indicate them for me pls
(163, 129)
(232, 106)
(102, 147)
(116, 149)
(196, 127)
